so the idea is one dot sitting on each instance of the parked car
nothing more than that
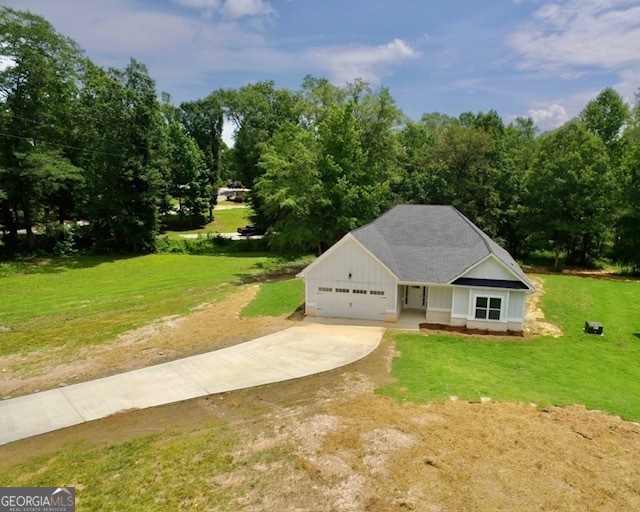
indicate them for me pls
(234, 184)
(251, 230)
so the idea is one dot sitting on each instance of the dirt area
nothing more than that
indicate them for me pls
(534, 317)
(209, 327)
(330, 443)
(591, 273)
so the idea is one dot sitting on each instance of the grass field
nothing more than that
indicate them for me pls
(307, 444)
(226, 220)
(75, 302)
(179, 478)
(598, 372)
(276, 298)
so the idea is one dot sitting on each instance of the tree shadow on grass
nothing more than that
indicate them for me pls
(56, 265)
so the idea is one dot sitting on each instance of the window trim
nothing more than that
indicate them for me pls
(487, 308)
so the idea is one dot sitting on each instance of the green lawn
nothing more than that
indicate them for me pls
(598, 372)
(276, 298)
(230, 219)
(150, 473)
(87, 300)
(226, 220)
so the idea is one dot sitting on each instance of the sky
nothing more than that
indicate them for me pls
(530, 58)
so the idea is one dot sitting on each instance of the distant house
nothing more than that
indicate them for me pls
(419, 257)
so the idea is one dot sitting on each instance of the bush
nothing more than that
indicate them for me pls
(209, 244)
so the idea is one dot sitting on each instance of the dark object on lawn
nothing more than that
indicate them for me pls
(593, 328)
(251, 231)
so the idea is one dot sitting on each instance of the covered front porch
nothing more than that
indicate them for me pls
(430, 303)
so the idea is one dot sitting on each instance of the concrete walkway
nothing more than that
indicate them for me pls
(302, 350)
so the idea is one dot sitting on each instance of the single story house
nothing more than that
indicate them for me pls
(420, 257)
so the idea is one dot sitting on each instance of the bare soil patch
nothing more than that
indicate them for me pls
(592, 273)
(330, 443)
(534, 323)
(208, 327)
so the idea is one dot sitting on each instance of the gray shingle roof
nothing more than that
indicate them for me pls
(430, 244)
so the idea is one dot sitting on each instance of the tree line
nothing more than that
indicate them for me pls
(326, 159)
(96, 146)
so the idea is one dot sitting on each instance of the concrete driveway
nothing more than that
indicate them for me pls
(299, 351)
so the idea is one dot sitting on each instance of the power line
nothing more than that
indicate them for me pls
(47, 125)
(32, 140)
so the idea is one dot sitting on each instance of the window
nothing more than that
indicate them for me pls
(488, 308)
(324, 289)
(376, 292)
(342, 290)
(362, 292)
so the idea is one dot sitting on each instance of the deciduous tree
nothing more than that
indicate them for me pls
(38, 88)
(570, 190)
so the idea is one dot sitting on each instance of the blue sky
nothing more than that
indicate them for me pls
(534, 58)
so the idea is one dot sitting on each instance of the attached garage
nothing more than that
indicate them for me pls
(351, 303)
(348, 282)
(428, 258)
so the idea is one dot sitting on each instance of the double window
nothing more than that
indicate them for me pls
(488, 308)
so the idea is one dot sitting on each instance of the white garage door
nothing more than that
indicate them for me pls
(363, 304)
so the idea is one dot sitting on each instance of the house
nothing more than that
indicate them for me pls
(419, 257)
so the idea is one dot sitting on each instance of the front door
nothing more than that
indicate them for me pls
(415, 297)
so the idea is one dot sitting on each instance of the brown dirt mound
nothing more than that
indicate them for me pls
(471, 332)
(329, 443)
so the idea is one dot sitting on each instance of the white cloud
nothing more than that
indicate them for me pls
(577, 33)
(548, 117)
(369, 63)
(199, 4)
(231, 9)
(172, 45)
(240, 8)
(629, 85)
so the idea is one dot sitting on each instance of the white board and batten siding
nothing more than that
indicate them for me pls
(439, 304)
(512, 311)
(516, 310)
(490, 268)
(351, 283)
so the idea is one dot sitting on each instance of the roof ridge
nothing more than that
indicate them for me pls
(483, 236)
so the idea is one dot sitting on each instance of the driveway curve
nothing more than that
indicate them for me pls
(299, 351)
